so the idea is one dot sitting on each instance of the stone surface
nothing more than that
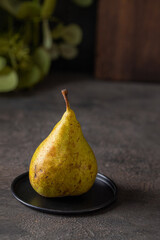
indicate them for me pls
(121, 121)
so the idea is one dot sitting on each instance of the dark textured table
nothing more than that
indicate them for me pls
(121, 121)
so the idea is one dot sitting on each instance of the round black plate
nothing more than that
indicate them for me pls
(102, 194)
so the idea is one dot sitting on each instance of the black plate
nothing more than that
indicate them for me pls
(102, 194)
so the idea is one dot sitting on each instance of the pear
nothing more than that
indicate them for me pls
(64, 163)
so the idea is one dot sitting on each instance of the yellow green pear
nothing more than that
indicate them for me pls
(64, 163)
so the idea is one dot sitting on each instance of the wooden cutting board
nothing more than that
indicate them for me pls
(128, 40)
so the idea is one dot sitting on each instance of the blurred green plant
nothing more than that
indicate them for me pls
(26, 51)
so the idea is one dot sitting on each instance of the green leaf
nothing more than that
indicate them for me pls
(72, 34)
(8, 80)
(47, 36)
(57, 32)
(10, 6)
(42, 59)
(83, 3)
(4, 46)
(54, 52)
(29, 78)
(48, 8)
(67, 51)
(3, 62)
(28, 10)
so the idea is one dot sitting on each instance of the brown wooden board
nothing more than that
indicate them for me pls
(128, 40)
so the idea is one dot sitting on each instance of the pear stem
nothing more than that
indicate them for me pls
(65, 94)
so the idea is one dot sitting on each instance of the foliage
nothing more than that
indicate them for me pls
(26, 51)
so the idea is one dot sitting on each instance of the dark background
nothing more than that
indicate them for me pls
(120, 39)
(68, 12)
(85, 17)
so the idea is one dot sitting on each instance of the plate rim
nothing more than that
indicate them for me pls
(99, 176)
